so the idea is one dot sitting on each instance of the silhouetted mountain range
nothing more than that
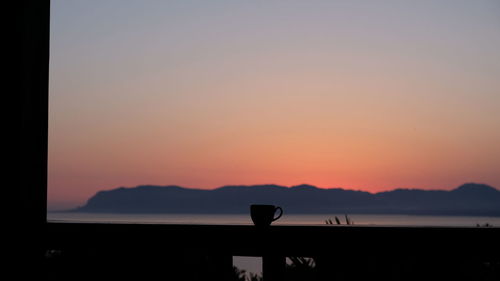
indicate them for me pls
(468, 199)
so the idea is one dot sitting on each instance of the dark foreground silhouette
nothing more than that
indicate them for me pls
(200, 253)
(468, 199)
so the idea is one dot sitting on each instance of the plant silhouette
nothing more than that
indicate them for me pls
(348, 221)
(243, 275)
(238, 274)
(301, 269)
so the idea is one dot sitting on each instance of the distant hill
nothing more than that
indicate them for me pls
(468, 199)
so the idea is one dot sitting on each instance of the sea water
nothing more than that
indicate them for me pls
(287, 219)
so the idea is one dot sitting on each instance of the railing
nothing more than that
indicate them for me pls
(204, 252)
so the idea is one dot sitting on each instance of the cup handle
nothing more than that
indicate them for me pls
(281, 213)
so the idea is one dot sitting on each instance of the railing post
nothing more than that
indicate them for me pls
(273, 267)
(223, 264)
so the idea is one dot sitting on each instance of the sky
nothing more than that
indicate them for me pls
(365, 95)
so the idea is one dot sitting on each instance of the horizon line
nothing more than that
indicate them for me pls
(302, 184)
(60, 205)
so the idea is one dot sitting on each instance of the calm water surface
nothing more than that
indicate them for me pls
(291, 219)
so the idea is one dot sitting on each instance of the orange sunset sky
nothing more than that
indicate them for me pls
(369, 95)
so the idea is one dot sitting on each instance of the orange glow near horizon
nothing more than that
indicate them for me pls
(332, 95)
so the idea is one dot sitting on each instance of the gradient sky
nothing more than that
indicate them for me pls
(369, 95)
